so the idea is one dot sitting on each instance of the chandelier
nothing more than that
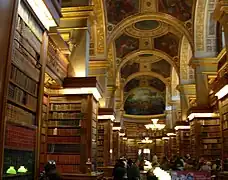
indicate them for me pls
(146, 140)
(155, 125)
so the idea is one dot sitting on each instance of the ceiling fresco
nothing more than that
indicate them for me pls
(181, 9)
(129, 68)
(147, 25)
(145, 81)
(168, 43)
(161, 67)
(117, 10)
(126, 44)
(145, 101)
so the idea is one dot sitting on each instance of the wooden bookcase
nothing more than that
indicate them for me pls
(224, 127)
(104, 143)
(172, 143)
(132, 149)
(116, 146)
(183, 142)
(22, 99)
(206, 138)
(72, 132)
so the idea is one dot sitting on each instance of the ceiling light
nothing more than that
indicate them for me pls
(121, 134)
(165, 138)
(222, 92)
(42, 12)
(124, 138)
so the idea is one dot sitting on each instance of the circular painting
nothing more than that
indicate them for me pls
(147, 25)
(145, 101)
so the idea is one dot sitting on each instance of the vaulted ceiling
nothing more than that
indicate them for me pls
(145, 36)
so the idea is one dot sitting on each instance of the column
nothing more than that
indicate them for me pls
(79, 58)
(203, 67)
(7, 21)
(186, 91)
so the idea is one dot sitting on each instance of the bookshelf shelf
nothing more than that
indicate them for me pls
(21, 105)
(21, 124)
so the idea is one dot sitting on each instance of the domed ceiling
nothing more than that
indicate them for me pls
(147, 49)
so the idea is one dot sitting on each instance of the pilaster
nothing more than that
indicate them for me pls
(186, 91)
(203, 67)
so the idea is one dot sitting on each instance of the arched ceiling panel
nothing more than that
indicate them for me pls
(168, 43)
(117, 10)
(126, 44)
(161, 67)
(145, 101)
(181, 9)
(145, 81)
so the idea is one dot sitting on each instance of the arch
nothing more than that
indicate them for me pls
(134, 54)
(174, 82)
(205, 29)
(151, 74)
(166, 18)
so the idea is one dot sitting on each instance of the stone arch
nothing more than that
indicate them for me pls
(166, 18)
(139, 52)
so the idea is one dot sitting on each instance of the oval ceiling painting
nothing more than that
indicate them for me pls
(147, 25)
(145, 101)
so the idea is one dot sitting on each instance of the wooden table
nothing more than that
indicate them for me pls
(89, 176)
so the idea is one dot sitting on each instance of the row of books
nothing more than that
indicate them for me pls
(65, 140)
(76, 123)
(20, 96)
(65, 115)
(64, 159)
(23, 80)
(25, 32)
(64, 132)
(16, 114)
(65, 107)
(64, 148)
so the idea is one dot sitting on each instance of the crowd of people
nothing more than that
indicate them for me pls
(127, 169)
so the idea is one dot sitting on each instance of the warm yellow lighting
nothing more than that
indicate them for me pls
(203, 115)
(86, 90)
(146, 140)
(42, 12)
(222, 92)
(155, 126)
(165, 138)
(111, 117)
(110, 151)
(146, 151)
(121, 134)
(155, 121)
(171, 134)
(116, 128)
(124, 138)
(181, 127)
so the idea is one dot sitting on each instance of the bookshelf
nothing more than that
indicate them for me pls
(132, 149)
(172, 143)
(183, 142)
(205, 133)
(104, 144)
(22, 99)
(224, 127)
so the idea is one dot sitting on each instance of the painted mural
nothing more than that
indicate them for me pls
(145, 101)
(181, 9)
(117, 10)
(147, 25)
(168, 43)
(131, 85)
(161, 67)
(129, 68)
(125, 44)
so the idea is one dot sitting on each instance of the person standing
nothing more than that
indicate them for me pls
(133, 172)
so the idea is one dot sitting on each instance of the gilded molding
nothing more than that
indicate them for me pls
(165, 18)
(99, 11)
(199, 25)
